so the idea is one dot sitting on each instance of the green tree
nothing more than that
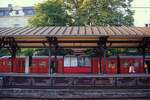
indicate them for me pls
(49, 13)
(83, 13)
(103, 12)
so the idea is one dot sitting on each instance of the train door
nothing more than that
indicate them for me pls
(111, 65)
(19, 65)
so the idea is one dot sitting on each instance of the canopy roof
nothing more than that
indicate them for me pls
(75, 37)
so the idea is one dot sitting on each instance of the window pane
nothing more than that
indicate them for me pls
(87, 61)
(9, 63)
(74, 62)
(80, 61)
(67, 62)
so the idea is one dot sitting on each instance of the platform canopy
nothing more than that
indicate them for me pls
(75, 37)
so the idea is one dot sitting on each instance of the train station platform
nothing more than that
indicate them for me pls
(74, 81)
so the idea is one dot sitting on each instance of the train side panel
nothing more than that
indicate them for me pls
(19, 65)
(111, 65)
(137, 62)
(60, 66)
(5, 65)
(95, 65)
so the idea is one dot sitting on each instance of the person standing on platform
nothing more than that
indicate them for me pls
(52, 67)
(131, 69)
(146, 68)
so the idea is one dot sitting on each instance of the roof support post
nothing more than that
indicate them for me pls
(118, 63)
(49, 61)
(103, 48)
(53, 44)
(12, 46)
(144, 44)
(49, 39)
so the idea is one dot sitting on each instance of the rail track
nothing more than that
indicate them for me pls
(74, 94)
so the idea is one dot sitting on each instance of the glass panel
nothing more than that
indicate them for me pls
(77, 61)
(87, 61)
(80, 61)
(74, 62)
(1, 13)
(9, 64)
(67, 62)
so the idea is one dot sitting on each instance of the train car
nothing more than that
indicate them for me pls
(73, 64)
(39, 65)
(6, 65)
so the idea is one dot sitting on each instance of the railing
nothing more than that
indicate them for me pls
(75, 81)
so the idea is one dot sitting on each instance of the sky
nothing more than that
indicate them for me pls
(141, 15)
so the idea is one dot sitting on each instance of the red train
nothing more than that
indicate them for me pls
(74, 64)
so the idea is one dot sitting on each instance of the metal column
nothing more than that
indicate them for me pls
(105, 61)
(49, 61)
(102, 47)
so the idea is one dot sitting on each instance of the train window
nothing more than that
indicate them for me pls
(70, 61)
(87, 61)
(112, 65)
(77, 61)
(80, 61)
(136, 64)
(9, 63)
(84, 61)
(42, 64)
(67, 61)
(74, 62)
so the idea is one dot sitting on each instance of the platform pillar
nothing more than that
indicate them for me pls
(27, 65)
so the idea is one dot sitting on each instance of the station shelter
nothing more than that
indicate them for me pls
(77, 38)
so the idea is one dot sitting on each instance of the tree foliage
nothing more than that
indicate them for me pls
(83, 13)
